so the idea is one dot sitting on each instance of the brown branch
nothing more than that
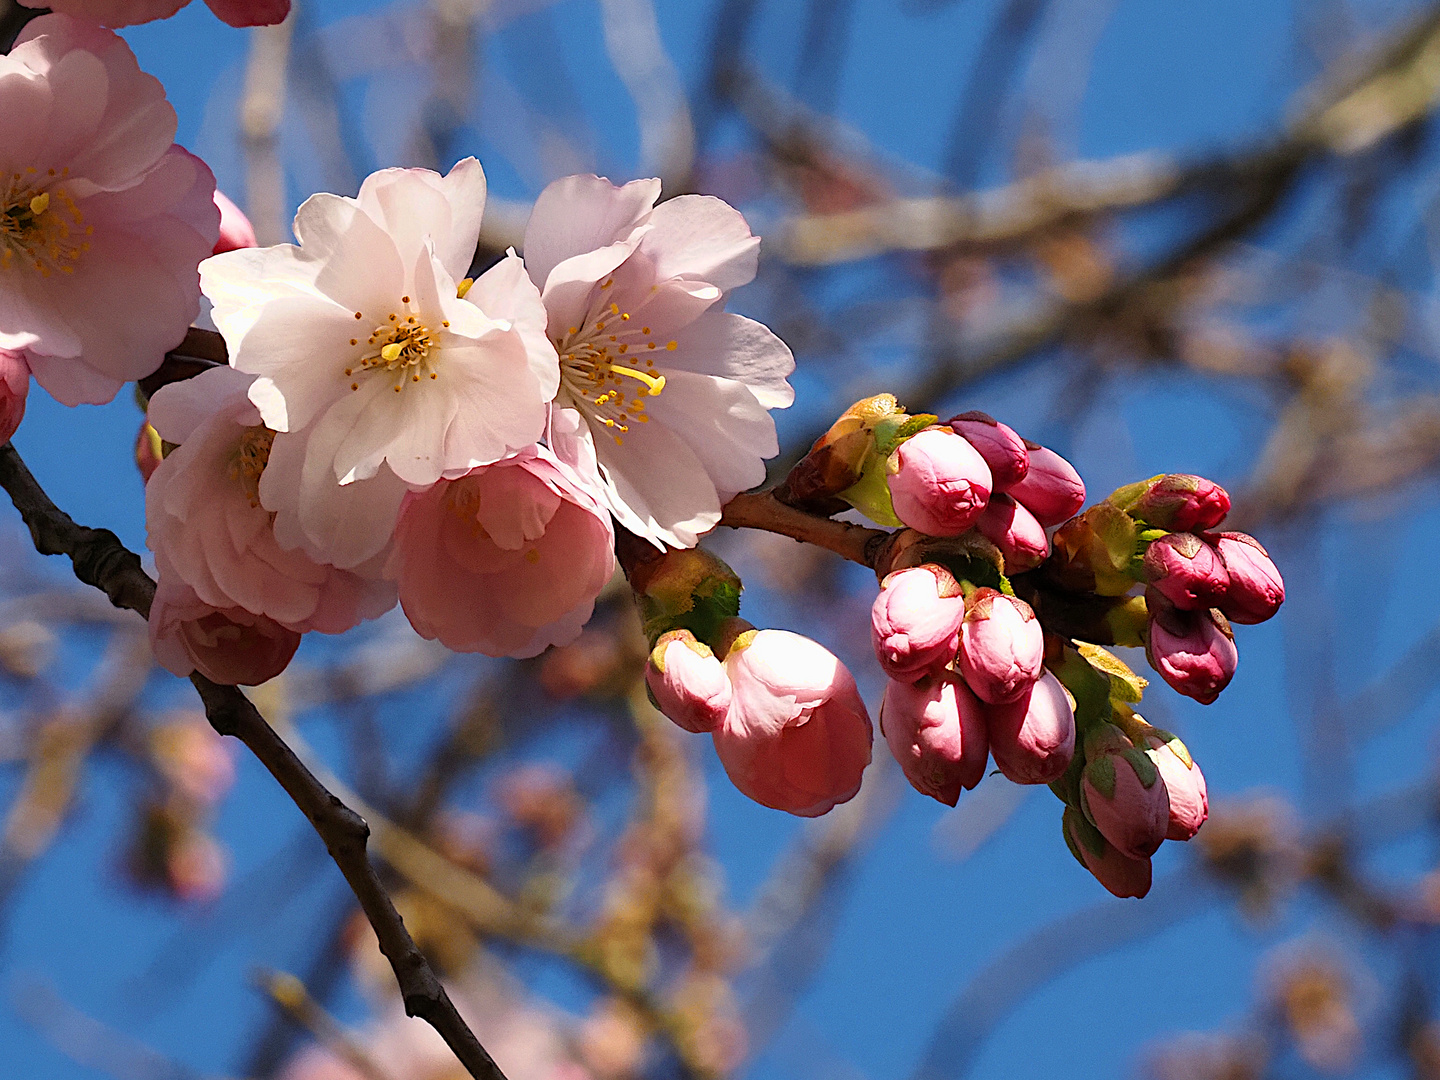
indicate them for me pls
(765, 512)
(100, 560)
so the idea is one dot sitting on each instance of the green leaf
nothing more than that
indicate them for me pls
(1125, 685)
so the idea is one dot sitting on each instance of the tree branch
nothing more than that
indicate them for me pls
(100, 560)
(765, 512)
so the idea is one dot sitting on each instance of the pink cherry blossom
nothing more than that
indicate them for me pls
(1186, 570)
(1051, 490)
(226, 645)
(1179, 502)
(674, 392)
(797, 737)
(1033, 738)
(115, 13)
(236, 232)
(1013, 529)
(1184, 784)
(689, 684)
(915, 621)
(938, 482)
(1123, 794)
(505, 560)
(1121, 876)
(203, 513)
(104, 218)
(1003, 450)
(1194, 651)
(368, 357)
(1256, 588)
(936, 731)
(1002, 646)
(14, 386)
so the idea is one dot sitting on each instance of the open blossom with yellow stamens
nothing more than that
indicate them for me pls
(103, 219)
(673, 391)
(205, 523)
(373, 369)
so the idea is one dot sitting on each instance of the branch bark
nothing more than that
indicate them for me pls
(102, 561)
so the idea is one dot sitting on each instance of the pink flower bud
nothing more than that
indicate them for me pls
(689, 684)
(1181, 503)
(14, 385)
(227, 646)
(1187, 570)
(1194, 651)
(915, 621)
(1256, 589)
(1033, 739)
(1051, 490)
(797, 736)
(1122, 794)
(1002, 647)
(936, 731)
(1014, 530)
(1003, 450)
(1184, 783)
(1123, 877)
(938, 482)
(236, 232)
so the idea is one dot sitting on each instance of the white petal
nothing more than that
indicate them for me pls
(579, 214)
(176, 410)
(655, 485)
(727, 429)
(702, 238)
(719, 343)
(414, 204)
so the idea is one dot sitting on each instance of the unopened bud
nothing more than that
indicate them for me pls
(1184, 783)
(236, 232)
(1033, 739)
(836, 460)
(1122, 794)
(1176, 502)
(938, 482)
(1187, 570)
(1051, 490)
(915, 621)
(935, 730)
(1123, 877)
(1014, 530)
(1003, 450)
(14, 386)
(1256, 589)
(1002, 646)
(687, 589)
(1193, 651)
(688, 683)
(1093, 552)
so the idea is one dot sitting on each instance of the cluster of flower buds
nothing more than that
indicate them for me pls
(786, 717)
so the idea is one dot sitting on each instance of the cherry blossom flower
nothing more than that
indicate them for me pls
(14, 386)
(130, 12)
(236, 232)
(505, 560)
(368, 356)
(202, 510)
(103, 219)
(674, 391)
(687, 682)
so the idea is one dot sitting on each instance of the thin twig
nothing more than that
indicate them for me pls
(99, 559)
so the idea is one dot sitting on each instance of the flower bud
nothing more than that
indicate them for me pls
(236, 232)
(149, 450)
(226, 646)
(1003, 450)
(1014, 530)
(797, 736)
(1256, 589)
(1187, 570)
(936, 731)
(1193, 651)
(679, 588)
(1123, 877)
(14, 386)
(1051, 490)
(1002, 646)
(1176, 502)
(1122, 794)
(1184, 782)
(915, 621)
(1033, 739)
(938, 482)
(687, 682)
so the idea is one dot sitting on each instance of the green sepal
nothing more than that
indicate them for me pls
(893, 430)
(1145, 770)
(692, 590)
(1089, 835)
(1125, 685)
(1101, 774)
(1089, 688)
(871, 494)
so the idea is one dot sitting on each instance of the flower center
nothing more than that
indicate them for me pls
(606, 366)
(403, 346)
(251, 457)
(40, 228)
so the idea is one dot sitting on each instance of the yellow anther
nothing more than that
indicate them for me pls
(40, 203)
(464, 286)
(532, 556)
(392, 351)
